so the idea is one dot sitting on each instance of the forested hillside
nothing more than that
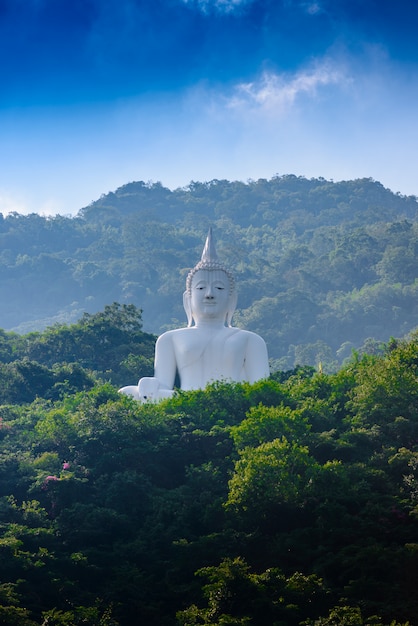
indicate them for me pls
(321, 267)
(291, 502)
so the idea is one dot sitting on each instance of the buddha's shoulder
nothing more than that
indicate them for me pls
(171, 335)
(250, 338)
(243, 332)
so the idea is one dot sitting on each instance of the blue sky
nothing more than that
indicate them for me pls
(98, 93)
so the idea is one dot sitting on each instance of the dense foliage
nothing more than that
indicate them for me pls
(290, 502)
(322, 267)
(108, 346)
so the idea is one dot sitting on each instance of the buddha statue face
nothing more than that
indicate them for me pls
(209, 298)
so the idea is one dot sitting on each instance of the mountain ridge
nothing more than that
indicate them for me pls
(319, 264)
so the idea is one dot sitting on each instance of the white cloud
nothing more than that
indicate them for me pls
(11, 203)
(221, 6)
(278, 92)
(313, 8)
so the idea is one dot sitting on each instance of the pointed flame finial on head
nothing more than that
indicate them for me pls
(210, 261)
(209, 252)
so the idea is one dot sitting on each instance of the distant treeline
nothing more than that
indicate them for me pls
(322, 268)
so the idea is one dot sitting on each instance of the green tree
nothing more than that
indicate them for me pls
(274, 473)
(236, 596)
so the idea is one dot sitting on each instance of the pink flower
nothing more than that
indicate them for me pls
(66, 465)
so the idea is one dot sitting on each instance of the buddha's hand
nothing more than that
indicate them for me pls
(149, 390)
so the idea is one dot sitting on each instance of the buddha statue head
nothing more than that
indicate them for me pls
(210, 276)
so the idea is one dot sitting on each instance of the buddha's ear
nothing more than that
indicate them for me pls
(232, 305)
(188, 307)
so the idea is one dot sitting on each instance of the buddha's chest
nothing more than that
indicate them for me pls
(212, 355)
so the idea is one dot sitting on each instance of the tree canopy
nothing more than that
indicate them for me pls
(293, 501)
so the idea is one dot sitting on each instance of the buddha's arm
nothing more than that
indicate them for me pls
(160, 386)
(256, 360)
(165, 361)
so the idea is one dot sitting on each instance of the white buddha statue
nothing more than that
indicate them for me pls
(209, 349)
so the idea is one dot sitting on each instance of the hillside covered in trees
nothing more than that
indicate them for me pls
(291, 502)
(321, 267)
